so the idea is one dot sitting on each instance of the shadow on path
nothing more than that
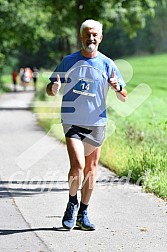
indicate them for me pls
(30, 188)
(21, 188)
(18, 231)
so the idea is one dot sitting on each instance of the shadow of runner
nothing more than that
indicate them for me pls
(17, 231)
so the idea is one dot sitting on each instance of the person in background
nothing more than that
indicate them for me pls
(14, 79)
(26, 77)
(35, 77)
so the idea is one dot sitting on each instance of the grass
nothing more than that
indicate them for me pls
(135, 142)
(139, 142)
(5, 79)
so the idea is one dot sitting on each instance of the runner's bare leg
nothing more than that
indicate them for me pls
(77, 163)
(91, 162)
(83, 160)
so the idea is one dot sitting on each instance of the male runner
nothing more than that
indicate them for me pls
(87, 75)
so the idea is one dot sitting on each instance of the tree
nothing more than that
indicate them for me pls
(131, 13)
(151, 39)
(23, 23)
(28, 23)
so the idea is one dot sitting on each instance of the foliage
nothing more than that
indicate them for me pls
(23, 23)
(148, 40)
(132, 14)
(30, 23)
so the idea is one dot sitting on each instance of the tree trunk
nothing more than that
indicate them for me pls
(79, 19)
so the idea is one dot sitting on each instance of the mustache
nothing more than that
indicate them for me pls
(88, 42)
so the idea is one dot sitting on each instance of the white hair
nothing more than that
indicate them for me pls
(90, 23)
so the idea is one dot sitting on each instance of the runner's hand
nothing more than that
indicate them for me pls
(53, 88)
(56, 85)
(114, 82)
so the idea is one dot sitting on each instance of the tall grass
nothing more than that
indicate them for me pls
(139, 142)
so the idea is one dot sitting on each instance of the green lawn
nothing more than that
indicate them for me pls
(138, 144)
(6, 78)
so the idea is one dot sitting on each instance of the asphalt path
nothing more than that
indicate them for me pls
(34, 193)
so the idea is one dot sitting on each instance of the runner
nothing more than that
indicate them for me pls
(14, 79)
(87, 75)
(26, 77)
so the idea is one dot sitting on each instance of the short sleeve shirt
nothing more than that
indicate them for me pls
(85, 88)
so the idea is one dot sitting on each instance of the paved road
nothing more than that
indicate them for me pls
(34, 192)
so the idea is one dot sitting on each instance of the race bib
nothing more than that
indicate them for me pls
(86, 86)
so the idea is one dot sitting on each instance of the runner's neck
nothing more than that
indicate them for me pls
(89, 55)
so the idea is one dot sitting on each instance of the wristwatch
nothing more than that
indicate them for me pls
(120, 89)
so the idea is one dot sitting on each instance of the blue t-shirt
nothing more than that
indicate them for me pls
(85, 88)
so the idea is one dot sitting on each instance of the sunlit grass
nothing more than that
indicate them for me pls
(140, 141)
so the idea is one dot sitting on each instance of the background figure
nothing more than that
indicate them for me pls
(35, 77)
(21, 75)
(26, 77)
(14, 79)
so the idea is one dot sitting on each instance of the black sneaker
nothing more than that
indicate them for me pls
(68, 220)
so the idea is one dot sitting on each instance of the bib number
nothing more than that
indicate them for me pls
(85, 87)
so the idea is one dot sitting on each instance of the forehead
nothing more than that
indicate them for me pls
(92, 30)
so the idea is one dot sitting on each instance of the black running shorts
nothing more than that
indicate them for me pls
(93, 135)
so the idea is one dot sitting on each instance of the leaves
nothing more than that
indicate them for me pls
(26, 22)
(22, 23)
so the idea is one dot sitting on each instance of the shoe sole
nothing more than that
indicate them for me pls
(67, 227)
(83, 228)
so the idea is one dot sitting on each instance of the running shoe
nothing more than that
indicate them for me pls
(83, 222)
(68, 220)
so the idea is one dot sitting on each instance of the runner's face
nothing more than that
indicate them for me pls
(90, 39)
